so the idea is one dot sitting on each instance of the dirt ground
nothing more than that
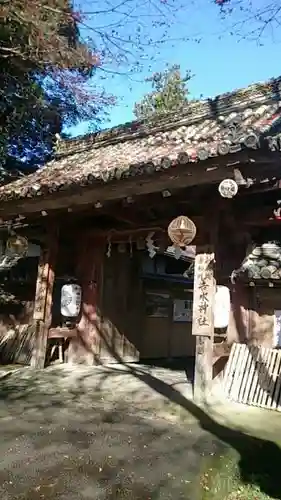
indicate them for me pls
(102, 433)
(87, 433)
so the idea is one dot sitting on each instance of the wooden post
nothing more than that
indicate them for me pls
(42, 315)
(203, 320)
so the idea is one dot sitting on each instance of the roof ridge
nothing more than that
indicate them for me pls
(196, 110)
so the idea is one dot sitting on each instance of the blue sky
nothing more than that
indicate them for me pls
(220, 62)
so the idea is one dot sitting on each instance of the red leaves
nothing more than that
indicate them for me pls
(51, 30)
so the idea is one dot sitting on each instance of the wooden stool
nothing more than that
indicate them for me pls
(60, 346)
(60, 335)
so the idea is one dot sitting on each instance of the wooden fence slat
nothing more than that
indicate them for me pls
(253, 376)
(273, 371)
(236, 349)
(275, 377)
(267, 378)
(259, 371)
(263, 379)
(250, 378)
(254, 386)
(276, 395)
(278, 402)
(245, 374)
(239, 372)
(228, 367)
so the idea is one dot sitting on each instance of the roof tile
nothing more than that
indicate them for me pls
(205, 129)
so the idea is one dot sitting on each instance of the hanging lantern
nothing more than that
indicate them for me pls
(221, 307)
(17, 246)
(182, 231)
(228, 188)
(70, 304)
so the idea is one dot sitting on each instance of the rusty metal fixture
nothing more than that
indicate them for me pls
(182, 231)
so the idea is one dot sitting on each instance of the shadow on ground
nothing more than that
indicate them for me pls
(116, 433)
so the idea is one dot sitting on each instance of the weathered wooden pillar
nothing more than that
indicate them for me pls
(42, 315)
(203, 319)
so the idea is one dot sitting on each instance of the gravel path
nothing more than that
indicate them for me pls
(82, 433)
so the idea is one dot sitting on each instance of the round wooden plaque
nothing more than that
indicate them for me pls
(228, 188)
(182, 231)
(17, 245)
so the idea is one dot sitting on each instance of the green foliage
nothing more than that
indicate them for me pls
(44, 81)
(169, 93)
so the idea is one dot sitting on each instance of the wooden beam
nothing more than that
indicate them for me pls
(122, 214)
(203, 320)
(42, 315)
(117, 235)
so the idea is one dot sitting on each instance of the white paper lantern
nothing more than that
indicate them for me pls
(221, 307)
(71, 295)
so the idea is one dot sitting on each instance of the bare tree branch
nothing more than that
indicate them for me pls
(256, 21)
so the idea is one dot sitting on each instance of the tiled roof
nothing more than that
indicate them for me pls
(242, 119)
(263, 262)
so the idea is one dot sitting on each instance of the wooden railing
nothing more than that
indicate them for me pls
(253, 376)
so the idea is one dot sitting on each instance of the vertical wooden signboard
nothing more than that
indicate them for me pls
(43, 300)
(41, 285)
(204, 293)
(203, 318)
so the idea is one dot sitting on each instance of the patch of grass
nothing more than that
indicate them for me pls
(222, 481)
(220, 476)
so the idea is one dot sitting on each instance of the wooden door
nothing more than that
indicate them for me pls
(155, 339)
(182, 342)
(121, 309)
